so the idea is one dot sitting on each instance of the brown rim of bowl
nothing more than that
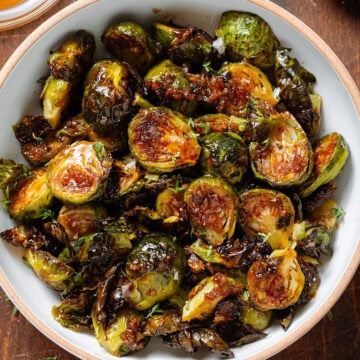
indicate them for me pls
(342, 73)
(31, 15)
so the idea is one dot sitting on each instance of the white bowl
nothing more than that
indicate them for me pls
(340, 112)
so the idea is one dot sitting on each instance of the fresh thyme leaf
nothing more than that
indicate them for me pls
(330, 315)
(15, 310)
(191, 123)
(154, 310)
(338, 212)
(47, 214)
(206, 127)
(264, 237)
(37, 138)
(62, 132)
(99, 149)
(5, 203)
(207, 67)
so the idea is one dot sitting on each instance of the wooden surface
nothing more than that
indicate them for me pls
(337, 336)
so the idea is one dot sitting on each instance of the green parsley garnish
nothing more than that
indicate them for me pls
(154, 310)
(99, 149)
(37, 138)
(338, 212)
(47, 214)
(330, 315)
(264, 237)
(206, 127)
(207, 66)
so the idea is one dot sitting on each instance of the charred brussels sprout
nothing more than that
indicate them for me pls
(225, 155)
(312, 239)
(123, 334)
(212, 209)
(79, 173)
(204, 297)
(330, 156)
(247, 37)
(284, 157)
(25, 236)
(10, 173)
(130, 42)
(162, 141)
(74, 312)
(80, 220)
(67, 65)
(327, 214)
(169, 87)
(30, 196)
(268, 212)
(291, 78)
(276, 283)
(50, 269)
(184, 44)
(155, 268)
(108, 95)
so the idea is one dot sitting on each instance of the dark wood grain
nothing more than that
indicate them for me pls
(338, 23)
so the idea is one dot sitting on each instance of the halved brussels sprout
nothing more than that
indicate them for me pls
(30, 196)
(213, 123)
(247, 37)
(326, 214)
(162, 141)
(184, 44)
(204, 297)
(169, 87)
(123, 334)
(130, 42)
(40, 143)
(50, 269)
(155, 268)
(67, 64)
(73, 57)
(109, 91)
(259, 320)
(10, 172)
(78, 174)
(225, 155)
(74, 312)
(292, 79)
(191, 339)
(330, 156)
(312, 239)
(212, 209)
(268, 212)
(25, 236)
(285, 157)
(244, 80)
(276, 283)
(78, 221)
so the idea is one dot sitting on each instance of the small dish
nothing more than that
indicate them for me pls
(17, 13)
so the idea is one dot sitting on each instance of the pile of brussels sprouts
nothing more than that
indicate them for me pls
(175, 188)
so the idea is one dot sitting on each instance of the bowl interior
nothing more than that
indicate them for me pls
(19, 96)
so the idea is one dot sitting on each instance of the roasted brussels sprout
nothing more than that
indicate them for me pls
(285, 157)
(67, 65)
(312, 280)
(312, 239)
(168, 86)
(40, 143)
(155, 268)
(247, 37)
(291, 78)
(326, 214)
(161, 141)
(30, 196)
(184, 44)
(204, 297)
(10, 173)
(259, 320)
(244, 80)
(276, 283)
(212, 209)
(224, 154)
(123, 334)
(78, 174)
(78, 221)
(109, 91)
(74, 312)
(129, 41)
(213, 123)
(191, 339)
(167, 322)
(50, 269)
(330, 156)
(25, 236)
(268, 212)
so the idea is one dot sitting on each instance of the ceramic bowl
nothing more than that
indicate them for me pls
(340, 112)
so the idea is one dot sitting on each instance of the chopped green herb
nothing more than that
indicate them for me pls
(175, 159)
(47, 214)
(154, 310)
(191, 123)
(206, 47)
(338, 212)
(266, 142)
(99, 149)
(15, 310)
(207, 66)
(330, 315)
(264, 237)
(37, 138)
(62, 132)
(5, 203)
(206, 127)
(7, 299)
(51, 358)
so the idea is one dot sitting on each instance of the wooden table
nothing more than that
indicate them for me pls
(335, 337)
